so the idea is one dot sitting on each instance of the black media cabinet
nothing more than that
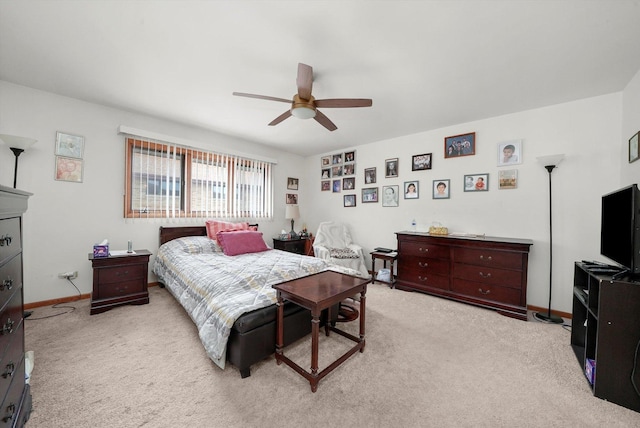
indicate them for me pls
(605, 328)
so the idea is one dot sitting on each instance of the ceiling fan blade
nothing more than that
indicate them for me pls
(325, 121)
(261, 97)
(344, 102)
(304, 81)
(280, 118)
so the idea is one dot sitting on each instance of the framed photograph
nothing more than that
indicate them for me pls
(336, 159)
(476, 183)
(391, 168)
(69, 169)
(348, 183)
(325, 161)
(460, 145)
(68, 145)
(349, 169)
(349, 156)
(336, 185)
(336, 171)
(390, 196)
(369, 194)
(633, 148)
(411, 190)
(326, 173)
(292, 183)
(441, 189)
(349, 200)
(508, 179)
(325, 185)
(510, 153)
(292, 199)
(370, 175)
(420, 162)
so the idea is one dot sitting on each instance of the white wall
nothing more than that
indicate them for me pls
(586, 131)
(65, 219)
(630, 172)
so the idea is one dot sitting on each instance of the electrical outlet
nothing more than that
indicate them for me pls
(68, 275)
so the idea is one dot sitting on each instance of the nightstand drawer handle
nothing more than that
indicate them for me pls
(484, 292)
(126, 272)
(482, 257)
(422, 279)
(423, 250)
(11, 412)
(485, 275)
(7, 328)
(5, 240)
(423, 264)
(7, 283)
(9, 371)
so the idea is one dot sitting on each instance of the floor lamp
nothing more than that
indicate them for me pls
(17, 146)
(550, 162)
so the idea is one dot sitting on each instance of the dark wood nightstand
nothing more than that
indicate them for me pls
(295, 245)
(119, 280)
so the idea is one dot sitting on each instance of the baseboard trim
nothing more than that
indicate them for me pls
(67, 299)
(553, 312)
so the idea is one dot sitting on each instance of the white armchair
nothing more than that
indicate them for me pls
(333, 243)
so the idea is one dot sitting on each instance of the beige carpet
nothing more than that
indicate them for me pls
(428, 362)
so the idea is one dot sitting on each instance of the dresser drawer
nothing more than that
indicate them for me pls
(509, 296)
(10, 240)
(10, 320)
(121, 273)
(423, 249)
(423, 279)
(10, 278)
(11, 404)
(422, 264)
(488, 275)
(11, 358)
(488, 257)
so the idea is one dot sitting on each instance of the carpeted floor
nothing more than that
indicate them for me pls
(428, 362)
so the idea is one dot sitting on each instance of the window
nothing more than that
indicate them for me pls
(171, 181)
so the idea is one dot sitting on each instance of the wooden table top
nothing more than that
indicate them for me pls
(322, 289)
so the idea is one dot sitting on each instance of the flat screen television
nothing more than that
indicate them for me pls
(620, 229)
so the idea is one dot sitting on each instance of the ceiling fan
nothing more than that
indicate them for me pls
(305, 106)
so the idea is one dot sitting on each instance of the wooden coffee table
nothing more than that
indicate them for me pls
(316, 293)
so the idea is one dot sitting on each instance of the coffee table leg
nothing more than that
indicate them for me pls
(363, 301)
(279, 328)
(315, 331)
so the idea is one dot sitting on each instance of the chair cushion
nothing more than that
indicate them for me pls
(342, 253)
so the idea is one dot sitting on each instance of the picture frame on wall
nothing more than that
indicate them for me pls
(391, 168)
(370, 175)
(292, 183)
(349, 183)
(633, 148)
(69, 145)
(421, 162)
(369, 194)
(349, 200)
(349, 169)
(336, 159)
(411, 189)
(292, 199)
(325, 161)
(350, 156)
(326, 173)
(460, 145)
(441, 189)
(69, 169)
(336, 186)
(508, 179)
(476, 182)
(510, 153)
(390, 196)
(325, 185)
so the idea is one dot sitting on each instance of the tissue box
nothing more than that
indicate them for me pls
(100, 250)
(590, 370)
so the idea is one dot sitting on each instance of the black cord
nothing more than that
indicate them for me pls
(58, 306)
(633, 372)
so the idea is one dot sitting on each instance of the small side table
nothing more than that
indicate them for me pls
(293, 245)
(385, 257)
(119, 280)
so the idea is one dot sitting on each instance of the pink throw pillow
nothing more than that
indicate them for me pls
(241, 242)
(215, 226)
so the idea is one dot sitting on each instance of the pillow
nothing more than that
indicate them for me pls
(197, 245)
(342, 253)
(215, 226)
(241, 242)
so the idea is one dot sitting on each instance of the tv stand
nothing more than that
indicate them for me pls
(621, 274)
(605, 330)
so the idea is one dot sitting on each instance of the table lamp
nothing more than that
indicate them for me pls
(292, 212)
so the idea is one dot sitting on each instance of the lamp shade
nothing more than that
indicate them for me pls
(292, 212)
(551, 160)
(16, 142)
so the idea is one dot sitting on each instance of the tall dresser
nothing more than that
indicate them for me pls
(485, 271)
(14, 392)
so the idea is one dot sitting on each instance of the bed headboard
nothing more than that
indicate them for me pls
(169, 233)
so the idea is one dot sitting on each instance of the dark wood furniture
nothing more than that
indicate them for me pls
(605, 328)
(385, 257)
(484, 271)
(14, 392)
(293, 245)
(316, 293)
(119, 280)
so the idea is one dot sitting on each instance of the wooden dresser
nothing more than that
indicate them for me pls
(485, 271)
(14, 392)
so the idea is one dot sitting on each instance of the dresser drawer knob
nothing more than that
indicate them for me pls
(7, 283)
(421, 278)
(423, 250)
(485, 275)
(485, 258)
(5, 240)
(423, 264)
(11, 412)
(9, 370)
(484, 292)
(7, 328)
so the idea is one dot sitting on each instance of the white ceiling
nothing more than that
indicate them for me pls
(425, 64)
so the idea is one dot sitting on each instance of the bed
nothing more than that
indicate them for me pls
(230, 298)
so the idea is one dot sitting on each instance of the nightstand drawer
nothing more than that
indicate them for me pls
(119, 289)
(121, 273)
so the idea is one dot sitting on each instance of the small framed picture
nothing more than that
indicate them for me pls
(460, 145)
(292, 183)
(420, 162)
(369, 194)
(476, 183)
(349, 169)
(508, 179)
(441, 189)
(349, 156)
(68, 145)
(326, 173)
(292, 199)
(633, 148)
(390, 196)
(336, 171)
(370, 175)
(411, 190)
(69, 169)
(336, 159)
(325, 161)
(336, 185)
(325, 185)
(391, 168)
(348, 183)
(349, 200)
(510, 153)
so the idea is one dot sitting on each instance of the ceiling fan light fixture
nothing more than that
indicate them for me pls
(303, 109)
